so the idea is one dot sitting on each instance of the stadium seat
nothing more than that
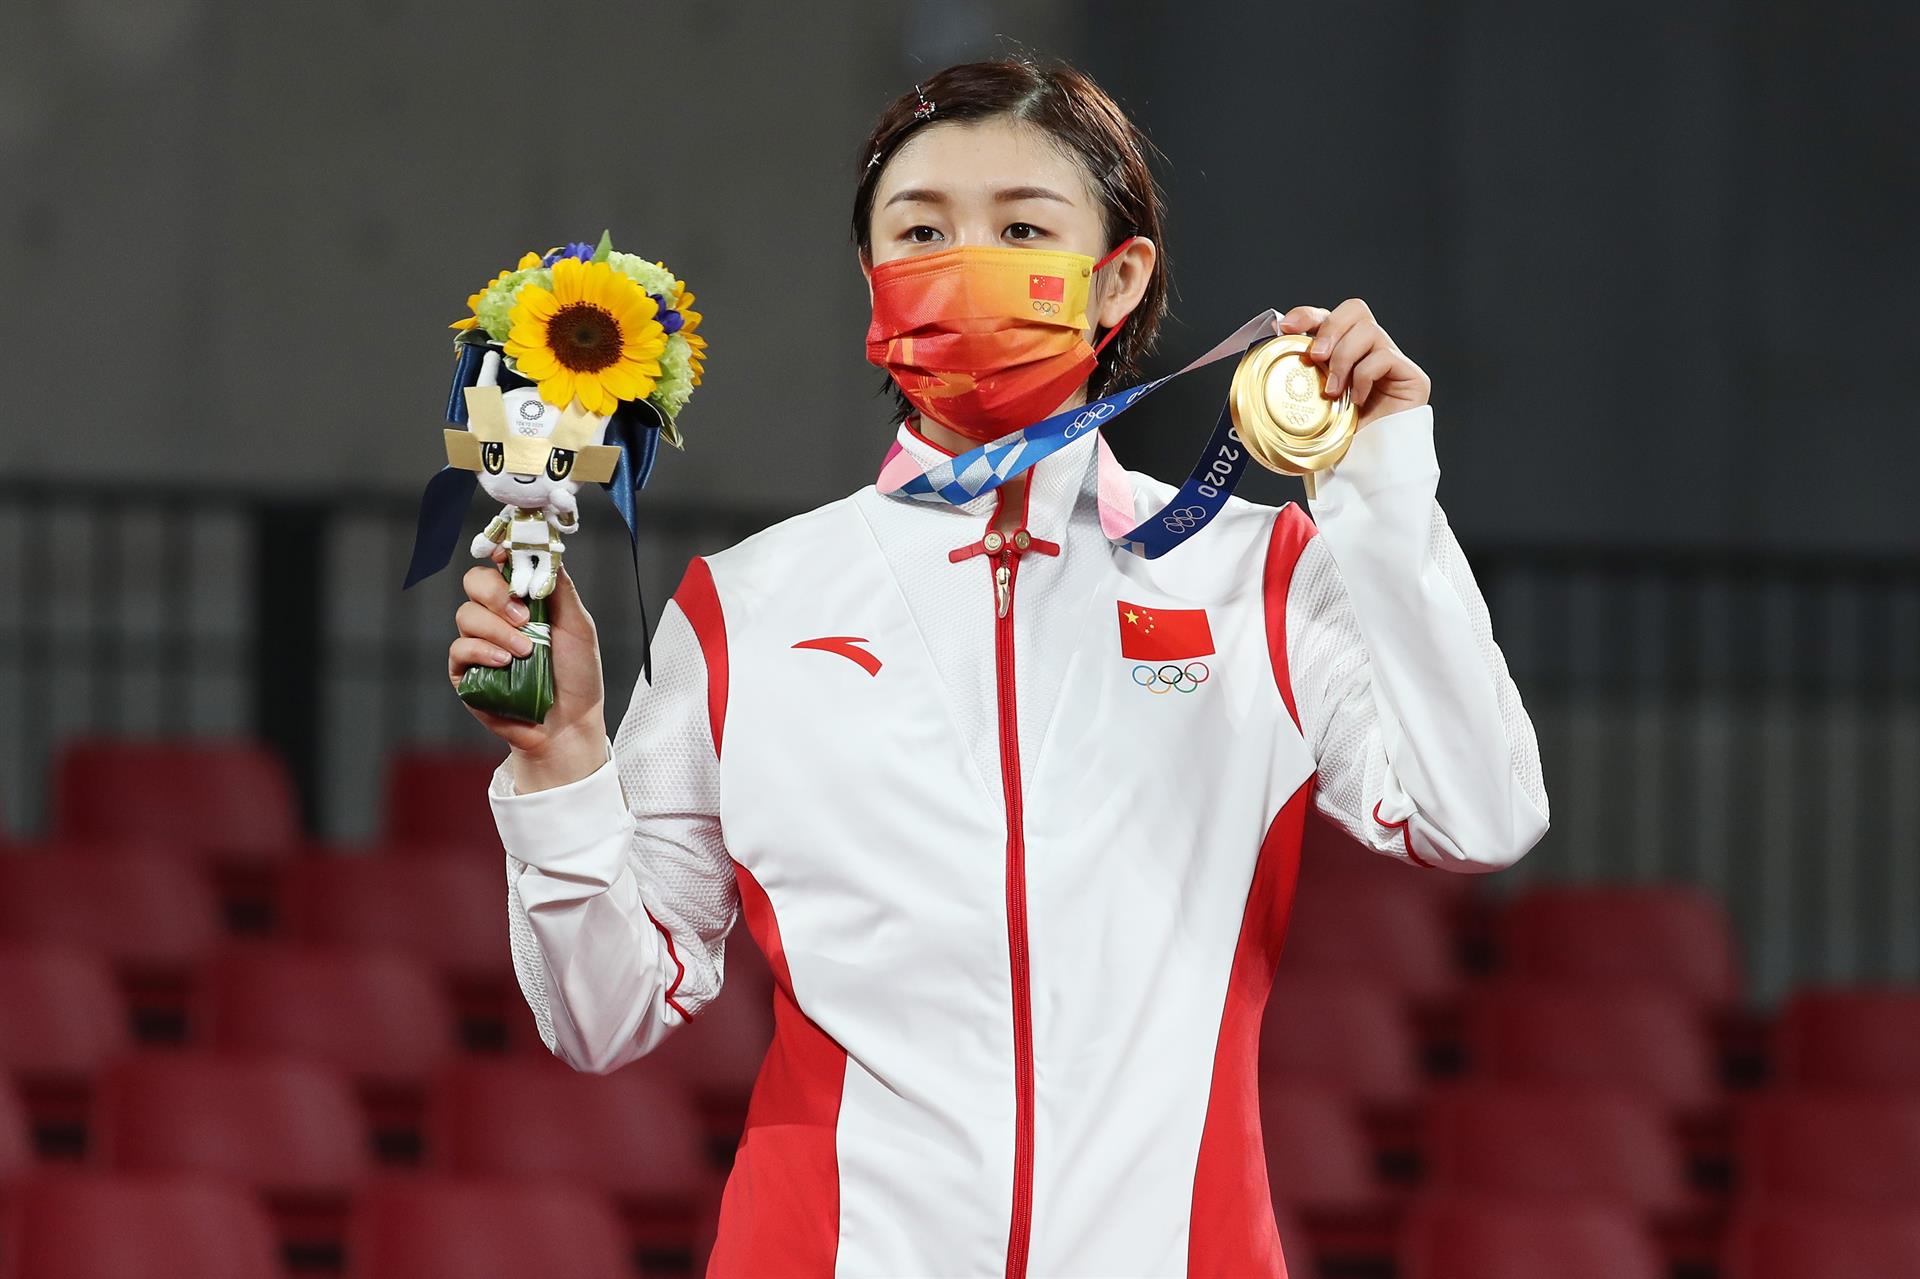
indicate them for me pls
(375, 1016)
(1391, 932)
(1317, 1156)
(278, 1124)
(1459, 1236)
(438, 799)
(142, 911)
(1649, 1042)
(1347, 1033)
(446, 909)
(227, 799)
(428, 1227)
(1822, 1241)
(67, 1224)
(17, 1150)
(1849, 1149)
(63, 1017)
(1671, 936)
(1583, 1141)
(1862, 1039)
(63, 1020)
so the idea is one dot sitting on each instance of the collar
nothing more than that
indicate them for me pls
(1054, 486)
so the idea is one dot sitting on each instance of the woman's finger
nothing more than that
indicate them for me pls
(468, 651)
(1303, 319)
(1335, 326)
(478, 622)
(1348, 350)
(1368, 372)
(485, 586)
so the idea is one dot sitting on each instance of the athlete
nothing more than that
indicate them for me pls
(1012, 809)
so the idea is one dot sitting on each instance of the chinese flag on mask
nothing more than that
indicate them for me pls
(1047, 288)
(1163, 634)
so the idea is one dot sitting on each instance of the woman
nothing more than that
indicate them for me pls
(1022, 904)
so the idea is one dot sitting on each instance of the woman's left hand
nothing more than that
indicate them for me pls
(1353, 349)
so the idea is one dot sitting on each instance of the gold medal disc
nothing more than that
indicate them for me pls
(1279, 407)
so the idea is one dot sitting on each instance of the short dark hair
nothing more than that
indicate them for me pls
(1078, 114)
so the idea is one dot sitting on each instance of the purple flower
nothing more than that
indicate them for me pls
(670, 320)
(577, 249)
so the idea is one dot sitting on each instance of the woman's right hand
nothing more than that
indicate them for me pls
(571, 742)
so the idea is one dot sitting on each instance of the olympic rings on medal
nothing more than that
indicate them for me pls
(1183, 518)
(1171, 677)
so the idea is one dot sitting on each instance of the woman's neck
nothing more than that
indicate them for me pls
(1013, 502)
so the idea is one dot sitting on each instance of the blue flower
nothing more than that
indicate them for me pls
(670, 320)
(577, 249)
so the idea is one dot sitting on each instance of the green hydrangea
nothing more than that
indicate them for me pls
(496, 304)
(675, 385)
(654, 279)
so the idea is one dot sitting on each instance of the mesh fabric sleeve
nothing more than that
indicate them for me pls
(620, 891)
(1423, 747)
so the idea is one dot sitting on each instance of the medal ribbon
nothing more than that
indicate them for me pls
(980, 470)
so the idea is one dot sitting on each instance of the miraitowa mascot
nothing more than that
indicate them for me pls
(571, 368)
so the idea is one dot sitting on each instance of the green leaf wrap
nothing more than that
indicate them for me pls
(523, 688)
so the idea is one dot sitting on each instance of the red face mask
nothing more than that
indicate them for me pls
(985, 339)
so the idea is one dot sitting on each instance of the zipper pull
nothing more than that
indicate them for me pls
(1002, 591)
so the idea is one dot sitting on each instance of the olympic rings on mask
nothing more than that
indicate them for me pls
(1184, 679)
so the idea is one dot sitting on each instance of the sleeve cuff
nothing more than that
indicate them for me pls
(579, 828)
(1390, 450)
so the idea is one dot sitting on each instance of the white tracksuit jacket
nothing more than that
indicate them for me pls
(1021, 909)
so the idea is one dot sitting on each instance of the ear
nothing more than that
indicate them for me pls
(866, 272)
(1122, 283)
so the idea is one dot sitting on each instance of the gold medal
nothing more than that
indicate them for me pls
(1280, 409)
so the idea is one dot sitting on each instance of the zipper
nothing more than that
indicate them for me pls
(1003, 551)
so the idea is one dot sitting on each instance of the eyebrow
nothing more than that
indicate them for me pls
(928, 195)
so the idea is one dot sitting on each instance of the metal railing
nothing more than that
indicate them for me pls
(1749, 722)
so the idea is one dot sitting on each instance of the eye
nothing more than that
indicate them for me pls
(913, 234)
(559, 462)
(493, 456)
(1034, 231)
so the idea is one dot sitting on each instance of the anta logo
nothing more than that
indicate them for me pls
(846, 646)
(1165, 646)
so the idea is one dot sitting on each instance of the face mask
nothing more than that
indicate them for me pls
(986, 339)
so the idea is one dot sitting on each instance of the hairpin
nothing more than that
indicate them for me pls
(925, 109)
(876, 158)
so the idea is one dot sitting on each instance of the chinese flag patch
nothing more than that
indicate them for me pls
(1163, 634)
(1047, 288)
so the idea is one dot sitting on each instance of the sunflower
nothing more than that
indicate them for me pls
(473, 299)
(683, 303)
(593, 336)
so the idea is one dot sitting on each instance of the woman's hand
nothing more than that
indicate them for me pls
(571, 742)
(1350, 344)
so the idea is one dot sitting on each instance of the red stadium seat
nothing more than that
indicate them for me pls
(632, 1134)
(438, 799)
(1822, 1241)
(1850, 1149)
(377, 1017)
(230, 800)
(91, 1225)
(278, 1124)
(420, 1227)
(1317, 1156)
(17, 1153)
(1387, 931)
(1861, 1039)
(1455, 1236)
(1346, 1033)
(1587, 1142)
(62, 1022)
(1672, 936)
(445, 909)
(1649, 1042)
(139, 910)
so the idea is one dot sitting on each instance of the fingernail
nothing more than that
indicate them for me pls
(522, 645)
(501, 657)
(1319, 350)
(516, 612)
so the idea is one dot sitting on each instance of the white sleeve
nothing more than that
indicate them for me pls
(1423, 748)
(620, 891)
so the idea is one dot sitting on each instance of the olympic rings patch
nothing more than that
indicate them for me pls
(1171, 677)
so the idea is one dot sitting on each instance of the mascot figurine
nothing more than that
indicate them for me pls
(571, 368)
